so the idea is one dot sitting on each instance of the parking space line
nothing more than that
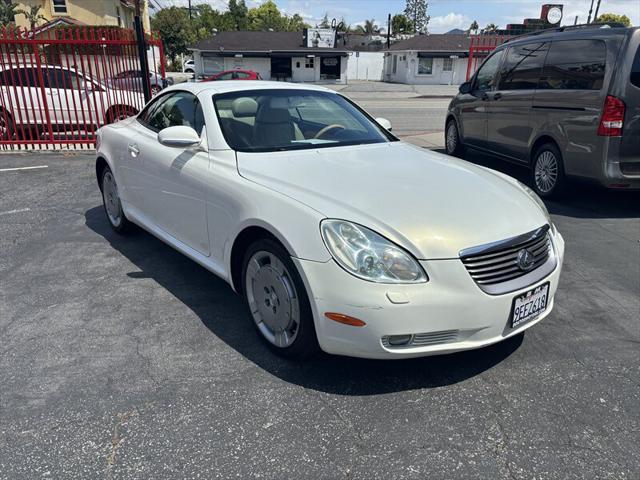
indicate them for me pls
(17, 210)
(14, 169)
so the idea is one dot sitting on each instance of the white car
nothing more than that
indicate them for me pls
(336, 234)
(189, 66)
(35, 98)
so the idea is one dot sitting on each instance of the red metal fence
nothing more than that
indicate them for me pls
(480, 48)
(58, 86)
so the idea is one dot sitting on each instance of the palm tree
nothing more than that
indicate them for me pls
(474, 27)
(33, 15)
(492, 27)
(369, 27)
(7, 13)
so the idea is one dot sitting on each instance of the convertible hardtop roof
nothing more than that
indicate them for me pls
(223, 86)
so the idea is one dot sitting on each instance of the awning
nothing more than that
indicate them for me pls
(285, 54)
(442, 54)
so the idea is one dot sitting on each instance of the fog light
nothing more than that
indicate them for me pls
(398, 340)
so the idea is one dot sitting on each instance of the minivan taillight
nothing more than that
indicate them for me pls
(612, 117)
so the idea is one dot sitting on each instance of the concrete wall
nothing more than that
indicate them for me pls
(365, 66)
(407, 70)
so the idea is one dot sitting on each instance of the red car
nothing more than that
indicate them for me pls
(234, 75)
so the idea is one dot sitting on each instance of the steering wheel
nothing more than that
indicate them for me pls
(328, 128)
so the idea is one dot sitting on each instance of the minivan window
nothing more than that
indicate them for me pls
(635, 69)
(522, 67)
(486, 76)
(574, 65)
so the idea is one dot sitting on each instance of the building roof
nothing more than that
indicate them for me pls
(434, 43)
(257, 42)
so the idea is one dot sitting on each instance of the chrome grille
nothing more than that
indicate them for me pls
(497, 263)
(426, 339)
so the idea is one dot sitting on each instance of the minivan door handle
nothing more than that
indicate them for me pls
(497, 96)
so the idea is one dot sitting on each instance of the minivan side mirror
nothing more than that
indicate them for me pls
(465, 88)
(178, 136)
(384, 123)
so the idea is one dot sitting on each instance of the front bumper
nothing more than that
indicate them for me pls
(450, 301)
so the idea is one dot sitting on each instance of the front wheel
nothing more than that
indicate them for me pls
(112, 203)
(547, 171)
(453, 144)
(277, 300)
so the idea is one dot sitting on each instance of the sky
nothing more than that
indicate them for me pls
(445, 14)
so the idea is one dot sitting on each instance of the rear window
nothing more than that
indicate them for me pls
(574, 65)
(635, 69)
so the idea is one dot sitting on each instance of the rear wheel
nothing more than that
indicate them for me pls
(6, 126)
(547, 171)
(112, 204)
(277, 300)
(155, 89)
(453, 144)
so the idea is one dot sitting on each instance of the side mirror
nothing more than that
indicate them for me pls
(384, 123)
(178, 136)
(465, 88)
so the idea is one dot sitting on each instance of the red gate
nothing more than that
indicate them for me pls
(480, 48)
(58, 86)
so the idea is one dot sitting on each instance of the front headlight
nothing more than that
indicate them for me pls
(369, 256)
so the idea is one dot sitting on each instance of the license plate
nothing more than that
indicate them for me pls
(529, 305)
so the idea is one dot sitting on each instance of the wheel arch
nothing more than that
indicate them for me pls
(101, 164)
(245, 237)
(541, 140)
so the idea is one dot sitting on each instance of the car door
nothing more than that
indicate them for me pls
(473, 105)
(22, 104)
(173, 178)
(70, 98)
(509, 128)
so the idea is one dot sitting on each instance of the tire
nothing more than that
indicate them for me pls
(115, 114)
(6, 126)
(155, 89)
(277, 300)
(453, 143)
(112, 204)
(547, 171)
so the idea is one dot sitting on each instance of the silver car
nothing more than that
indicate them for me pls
(564, 102)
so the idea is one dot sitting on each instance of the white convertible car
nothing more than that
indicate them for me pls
(338, 235)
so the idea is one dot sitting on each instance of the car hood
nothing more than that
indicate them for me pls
(431, 204)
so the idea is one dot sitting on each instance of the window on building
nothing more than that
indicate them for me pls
(522, 67)
(425, 66)
(309, 62)
(574, 65)
(395, 63)
(118, 16)
(59, 6)
(447, 65)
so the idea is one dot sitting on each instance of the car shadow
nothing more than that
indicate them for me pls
(195, 287)
(582, 199)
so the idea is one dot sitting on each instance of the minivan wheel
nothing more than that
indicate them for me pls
(547, 171)
(453, 144)
(277, 300)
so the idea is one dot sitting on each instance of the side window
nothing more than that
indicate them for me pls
(146, 114)
(574, 65)
(486, 76)
(19, 77)
(242, 75)
(59, 78)
(180, 108)
(522, 67)
(635, 69)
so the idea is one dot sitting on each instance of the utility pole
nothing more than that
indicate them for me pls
(590, 10)
(595, 16)
(142, 52)
(388, 31)
(189, 9)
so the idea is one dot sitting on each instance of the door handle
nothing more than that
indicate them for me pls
(497, 96)
(133, 149)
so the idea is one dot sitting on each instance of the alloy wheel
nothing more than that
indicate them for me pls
(546, 171)
(111, 199)
(272, 299)
(452, 138)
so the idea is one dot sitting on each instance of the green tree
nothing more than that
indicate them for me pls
(7, 13)
(32, 15)
(416, 12)
(492, 27)
(474, 26)
(239, 14)
(207, 19)
(176, 30)
(267, 17)
(401, 24)
(612, 17)
(296, 23)
(369, 27)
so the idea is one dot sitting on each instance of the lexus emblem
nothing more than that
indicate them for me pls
(525, 260)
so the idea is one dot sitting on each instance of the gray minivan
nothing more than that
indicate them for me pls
(565, 102)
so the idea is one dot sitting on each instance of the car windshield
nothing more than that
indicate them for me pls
(292, 119)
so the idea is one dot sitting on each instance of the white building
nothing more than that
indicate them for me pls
(274, 55)
(428, 60)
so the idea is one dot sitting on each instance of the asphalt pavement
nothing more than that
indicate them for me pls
(122, 359)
